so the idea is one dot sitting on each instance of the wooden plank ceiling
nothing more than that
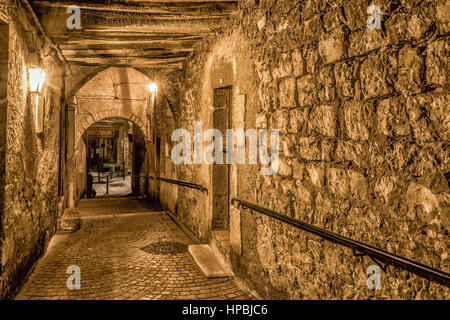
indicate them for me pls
(155, 34)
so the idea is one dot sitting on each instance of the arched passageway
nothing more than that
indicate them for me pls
(117, 100)
(110, 158)
(298, 122)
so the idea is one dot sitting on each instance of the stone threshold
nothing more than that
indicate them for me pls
(208, 261)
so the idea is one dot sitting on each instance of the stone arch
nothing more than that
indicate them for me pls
(85, 77)
(81, 129)
(139, 160)
(113, 92)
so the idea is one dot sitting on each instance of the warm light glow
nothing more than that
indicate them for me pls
(37, 78)
(152, 87)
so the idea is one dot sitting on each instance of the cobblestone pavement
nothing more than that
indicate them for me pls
(108, 251)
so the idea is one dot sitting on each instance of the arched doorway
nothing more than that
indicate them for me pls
(110, 158)
(113, 93)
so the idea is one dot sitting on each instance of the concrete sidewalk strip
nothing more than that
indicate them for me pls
(208, 262)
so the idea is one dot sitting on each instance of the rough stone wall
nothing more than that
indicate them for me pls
(4, 40)
(31, 170)
(364, 123)
(164, 124)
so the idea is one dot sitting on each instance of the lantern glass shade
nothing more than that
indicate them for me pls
(37, 78)
(152, 87)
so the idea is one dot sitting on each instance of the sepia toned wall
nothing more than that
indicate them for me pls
(364, 125)
(30, 177)
(112, 92)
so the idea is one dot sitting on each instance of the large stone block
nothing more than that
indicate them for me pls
(285, 169)
(443, 16)
(410, 70)
(263, 72)
(404, 26)
(327, 85)
(364, 41)
(311, 54)
(311, 29)
(298, 119)
(422, 203)
(299, 63)
(345, 77)
(382, 155)
(334, 47)
(306, 91)
(288, 145)
(280, 120)
(316, 174)
(288, 97)
(323, 119)
(309, 148)
(392, 117)
(358, 120)
(385, 187)
(332, 19)
(284, 67)
(337, 182)
(374, 74)
(347, 183)
(358, 185)
(355, 13)
(298, 168)
(429, 116)
(303, 200)
(268, 96)
(437, 63)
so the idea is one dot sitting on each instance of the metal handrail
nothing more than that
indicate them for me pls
(184, 184)
(376, 254)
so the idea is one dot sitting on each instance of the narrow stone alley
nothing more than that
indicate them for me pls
(225, 149)
(127, 249)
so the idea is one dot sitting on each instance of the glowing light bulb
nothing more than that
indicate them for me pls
(152, 87)
(37, 78)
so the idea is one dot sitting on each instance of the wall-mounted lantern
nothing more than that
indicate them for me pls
(37, 79)
(152, 87)
(151, 106)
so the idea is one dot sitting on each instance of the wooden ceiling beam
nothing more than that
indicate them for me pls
(151, 34)
(125, 60)
(125, 52)
(163, 67)
(193, 8)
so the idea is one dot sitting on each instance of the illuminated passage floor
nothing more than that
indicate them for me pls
(126, 249)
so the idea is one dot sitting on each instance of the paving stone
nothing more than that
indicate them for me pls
(108, 251)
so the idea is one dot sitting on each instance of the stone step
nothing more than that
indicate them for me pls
(208, 262)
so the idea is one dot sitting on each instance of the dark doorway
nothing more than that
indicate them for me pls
(221, 172)
(139, 180)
